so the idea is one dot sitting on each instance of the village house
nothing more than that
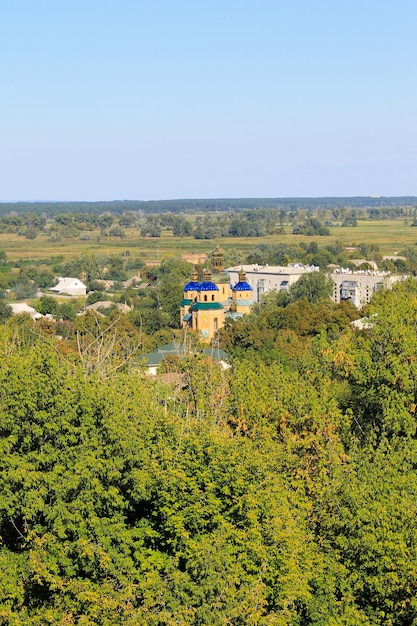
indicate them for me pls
(69, 287)
(22, 307)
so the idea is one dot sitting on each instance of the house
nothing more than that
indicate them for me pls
(69, 287)
(22, 307)
(107, 304)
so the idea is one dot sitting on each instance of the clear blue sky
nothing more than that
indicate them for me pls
(141, 99)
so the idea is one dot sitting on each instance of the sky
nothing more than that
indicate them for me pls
(151, 100)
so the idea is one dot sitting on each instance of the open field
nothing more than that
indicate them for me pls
(391, 236)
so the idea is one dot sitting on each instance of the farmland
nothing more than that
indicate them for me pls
(391, 236)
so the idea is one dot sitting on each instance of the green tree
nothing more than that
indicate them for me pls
(47, 304)
(313, 287)
(367, 526)
(115, 510)
(95, 296)
(31, 233)
(383, 367)
(5, 311)
(68, 310)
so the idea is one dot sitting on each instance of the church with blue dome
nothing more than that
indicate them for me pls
(206, 304)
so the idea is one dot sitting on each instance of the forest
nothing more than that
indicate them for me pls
(204, 205)
(281, 490)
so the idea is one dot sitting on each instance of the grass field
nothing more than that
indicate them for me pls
(392, 236)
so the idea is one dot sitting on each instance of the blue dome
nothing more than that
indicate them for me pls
(207, 285)
(242, 286)
(193, 285)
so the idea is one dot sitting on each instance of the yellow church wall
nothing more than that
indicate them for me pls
(207, 323)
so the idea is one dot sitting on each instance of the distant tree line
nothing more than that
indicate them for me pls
(118, 207)
(206, 221)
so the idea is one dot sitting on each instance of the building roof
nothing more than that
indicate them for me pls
(216, 353)
(68, 283)
(207, 285)
(153, 359)
(193, 285)
(244, 301)
(107, 304)
(22, 307)
(294, 269)
(206, 306)
(234, 315)
(359, 262)
(242, 285)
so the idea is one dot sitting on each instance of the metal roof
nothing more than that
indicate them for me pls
(206, 306)
(208, 285)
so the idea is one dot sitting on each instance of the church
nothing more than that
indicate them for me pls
(207, 305)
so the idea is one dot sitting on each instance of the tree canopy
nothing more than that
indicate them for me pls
(278, 491)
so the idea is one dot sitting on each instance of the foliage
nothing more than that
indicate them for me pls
(95, 296)
(312, 287)
(41, 276)
(30, 233)
(280, 491)
(282, 330)
(113, 511)
(5, 311)
(311, 226)
(156, 307)
(380, 366)
(14, 212)
(47, 304)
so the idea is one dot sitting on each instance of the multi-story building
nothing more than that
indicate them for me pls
(264, 278)
(359, 286)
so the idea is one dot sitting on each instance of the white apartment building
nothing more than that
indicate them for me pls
(359, 286)
(264, 278)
